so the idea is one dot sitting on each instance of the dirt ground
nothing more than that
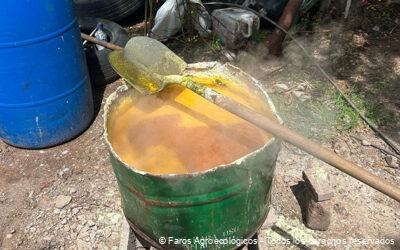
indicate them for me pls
(77, 176)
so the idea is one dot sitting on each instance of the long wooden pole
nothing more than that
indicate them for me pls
(289, 136)
(306, 145)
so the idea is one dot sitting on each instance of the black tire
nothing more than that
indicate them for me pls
(113, 10)
(100, 70)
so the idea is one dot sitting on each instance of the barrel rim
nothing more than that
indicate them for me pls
(41, 38)
(209, 65)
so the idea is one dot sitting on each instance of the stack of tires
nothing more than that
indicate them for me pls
(94, 12)
(113, 10)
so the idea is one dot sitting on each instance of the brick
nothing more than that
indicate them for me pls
(317, 181)
(317, 214)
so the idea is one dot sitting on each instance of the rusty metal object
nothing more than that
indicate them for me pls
(99, 42)
(275, 40)
(188, 203)
(143, 238)
(181, 205)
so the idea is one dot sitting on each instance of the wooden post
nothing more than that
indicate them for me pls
(275, 40)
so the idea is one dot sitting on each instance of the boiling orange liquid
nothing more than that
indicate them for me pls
(176, 131)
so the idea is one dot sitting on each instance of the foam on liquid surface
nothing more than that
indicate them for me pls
(176, 131)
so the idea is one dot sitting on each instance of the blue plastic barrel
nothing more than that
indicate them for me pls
(45, 93)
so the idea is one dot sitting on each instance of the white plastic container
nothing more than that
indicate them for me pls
(233, 26)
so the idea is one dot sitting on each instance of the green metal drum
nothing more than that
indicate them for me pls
(214, 209)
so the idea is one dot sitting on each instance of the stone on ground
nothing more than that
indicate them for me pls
(318, 214)
(317, 182)
(61, 201)
(392, 161)
(271, 219)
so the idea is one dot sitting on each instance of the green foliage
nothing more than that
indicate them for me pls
(217, 44)
(347, 117)
(382, 85)
(258, 36)
(304, 23)
(327, 111)
(377, 112)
